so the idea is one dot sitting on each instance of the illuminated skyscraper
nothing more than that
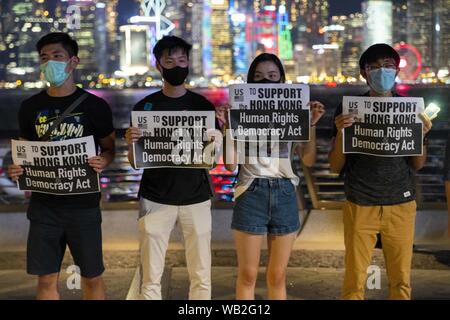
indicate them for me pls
(335, 32)
(95, 30)
(24, 22)
(429, 31)
(378, 22)
(195, 36)
(85, 34)
(420, 28)
(196, 29)
(221, 43)
(241, 48)
(285, 50)
(347, 32)
(175, 11)
(399, 21)
(308, 19)
(101, 38)
(264, 30)
(4, 45)
(134, 50)
(327, 62)
(111, 34)
(441, 35)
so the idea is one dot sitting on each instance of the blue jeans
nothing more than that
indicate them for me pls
(269, 205)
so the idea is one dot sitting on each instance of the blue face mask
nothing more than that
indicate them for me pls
(382, 80)
(55, 72)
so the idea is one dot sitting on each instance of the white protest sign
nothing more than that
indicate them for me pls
(58, 167)
(276, 112)
(173, 139)
(384, 126)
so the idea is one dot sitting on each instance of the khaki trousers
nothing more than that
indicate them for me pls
(395, 223)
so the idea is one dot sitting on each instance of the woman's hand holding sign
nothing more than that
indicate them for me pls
(317, 111)
(344, 121)
(15, 171)
(222, 115)
(307, 151)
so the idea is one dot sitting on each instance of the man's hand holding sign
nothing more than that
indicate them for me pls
(62, 167)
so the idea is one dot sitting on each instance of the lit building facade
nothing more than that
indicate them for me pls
(441, 35)
(428, 31)
(308, 19)
(399, 21)
(241, 47)
(134, 50)
(221, 42)
(327, 62)
(25, 22)
(352, 45)
(378, 22)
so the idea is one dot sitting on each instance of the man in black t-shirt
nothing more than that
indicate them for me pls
(60, 220)
(168, 195)
(380, 191)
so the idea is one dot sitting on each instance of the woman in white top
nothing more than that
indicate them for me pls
(265, 196)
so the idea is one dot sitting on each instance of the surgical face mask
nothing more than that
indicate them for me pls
(175, 76)
(382, 80)
(264, 80)
(55, 72)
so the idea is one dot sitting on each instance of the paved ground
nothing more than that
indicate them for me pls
(303, 284)
(312, 275)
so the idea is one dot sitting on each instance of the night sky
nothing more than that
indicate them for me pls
(344, 7)
(128, 8)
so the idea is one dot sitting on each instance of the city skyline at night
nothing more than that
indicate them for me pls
(318, 41)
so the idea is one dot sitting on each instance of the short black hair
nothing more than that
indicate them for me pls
(170, 43)
(70, 45)
(262, 58)
(378, 51)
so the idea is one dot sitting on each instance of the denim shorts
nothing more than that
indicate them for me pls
(268, 206)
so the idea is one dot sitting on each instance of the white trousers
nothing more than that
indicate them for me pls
(155, 228)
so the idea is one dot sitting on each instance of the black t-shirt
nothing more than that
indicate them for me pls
(175, 186)
(92, 117)
(372, 180)
(447, 161)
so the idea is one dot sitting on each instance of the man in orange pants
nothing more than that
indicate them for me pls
(380, 191)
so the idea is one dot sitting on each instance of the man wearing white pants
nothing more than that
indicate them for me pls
(168, 195)
(154, 230)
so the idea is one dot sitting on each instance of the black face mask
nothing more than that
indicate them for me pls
(264, 80)
(175, 76)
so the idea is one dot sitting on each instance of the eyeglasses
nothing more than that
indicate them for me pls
(386, 65)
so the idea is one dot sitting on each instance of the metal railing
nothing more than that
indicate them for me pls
(319, 189)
